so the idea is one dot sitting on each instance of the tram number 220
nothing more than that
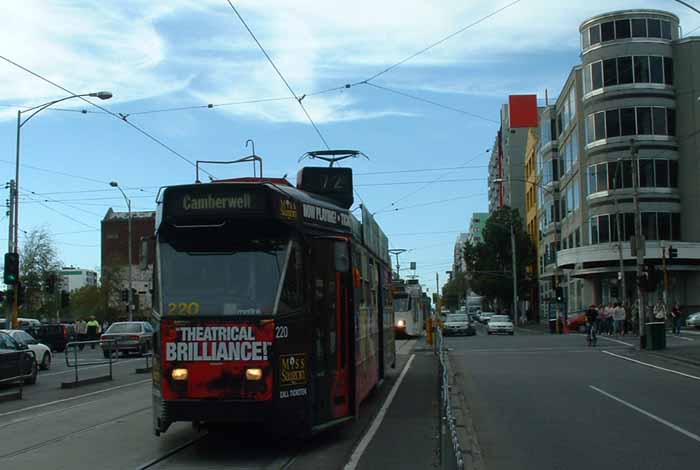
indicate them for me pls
(183, 308)
(281, 332)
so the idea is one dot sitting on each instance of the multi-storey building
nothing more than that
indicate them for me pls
(531, 185)
(506, 180)
(476, 226)
(73, 278)
(458, 264)
(636, 82)
(115, 253)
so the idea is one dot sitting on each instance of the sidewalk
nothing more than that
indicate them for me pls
(407, 437)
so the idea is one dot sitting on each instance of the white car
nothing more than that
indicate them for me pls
(485, 316)
(41, 351)
(500, 324)
(693, 320)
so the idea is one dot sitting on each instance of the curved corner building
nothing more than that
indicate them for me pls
(639, 86)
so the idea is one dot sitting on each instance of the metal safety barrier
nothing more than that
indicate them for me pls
(149, 364)
(451, 456)
(111, 347)
(19, 378)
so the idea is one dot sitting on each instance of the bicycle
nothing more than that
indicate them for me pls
(591, 335)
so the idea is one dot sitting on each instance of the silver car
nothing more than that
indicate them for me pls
(693, 320)
(127, 337)
(458, 324)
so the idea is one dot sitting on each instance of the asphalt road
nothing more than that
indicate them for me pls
(108, 426)
(544, 401)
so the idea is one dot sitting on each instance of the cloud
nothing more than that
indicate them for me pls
(197, 50)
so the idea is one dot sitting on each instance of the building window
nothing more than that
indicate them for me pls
(649, 225)
(666, 29)
(595, 34)
(671, 119)
(614, 176)
(659, 121)
(639, 28)
(612, 123)
(664, 221)
(607, 31)
(673, 173)
(622, 29)
(646, 173)
(644, 121)
(599, 119)
(641, 69)
(596, 75)
(675, 226)
(627, 121)
(656, 69)
(668, 71)
(609, 72)
(601, 177)
(624, 70)
(654, 28)
(594, 230)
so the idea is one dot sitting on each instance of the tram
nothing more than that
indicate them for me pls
(272, 303)
(411, 308)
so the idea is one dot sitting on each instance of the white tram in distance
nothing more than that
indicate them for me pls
(411, 308)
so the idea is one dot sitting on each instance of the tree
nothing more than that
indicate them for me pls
(38, 262)
(453, 291)
(490, 262)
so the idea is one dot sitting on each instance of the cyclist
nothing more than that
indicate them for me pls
(591, 320)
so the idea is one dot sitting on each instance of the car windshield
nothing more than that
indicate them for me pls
(497, 318)
(124, 328)
(457, 317)
(242, 280)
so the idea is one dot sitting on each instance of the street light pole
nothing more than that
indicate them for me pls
(515, 276)
(14, 220)
(114, 184)
(639, 241)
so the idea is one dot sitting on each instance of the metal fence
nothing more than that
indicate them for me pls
(108, 346)
(451, 457)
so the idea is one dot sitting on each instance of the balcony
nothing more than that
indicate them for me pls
(574, 258)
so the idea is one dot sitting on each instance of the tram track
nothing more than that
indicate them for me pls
(71, 434)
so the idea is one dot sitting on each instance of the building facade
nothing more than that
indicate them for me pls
(531, 215)
(506, 179)
(73, 278)
(476, 227)
(115, 254)
(630, 108)
(458, 264)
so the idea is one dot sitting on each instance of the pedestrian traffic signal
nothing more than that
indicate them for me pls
(672, 252)
(11, 273)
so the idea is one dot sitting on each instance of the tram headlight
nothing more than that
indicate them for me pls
(253, 373)
(401, 323)
(179, 374)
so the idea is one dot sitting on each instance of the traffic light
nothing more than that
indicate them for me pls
(649, 278)
(559, 293)
(125, 295)
(672, 252)
(614, 291)
(11, 274)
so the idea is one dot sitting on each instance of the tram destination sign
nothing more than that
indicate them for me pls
(325, 216)
(212, 200)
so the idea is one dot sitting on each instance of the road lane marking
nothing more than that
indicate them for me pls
(616, 341)
(651, 365)
(676, 428)
(367, 438)
(77, 397)
(681, 337)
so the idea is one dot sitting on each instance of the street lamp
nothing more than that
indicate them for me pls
(14, 191)
(114, 184)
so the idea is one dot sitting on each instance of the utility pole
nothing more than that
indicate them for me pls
(10, 247)
(639, 243)
(515, 275)
(619, 236)
(396, 252)
(438, 304)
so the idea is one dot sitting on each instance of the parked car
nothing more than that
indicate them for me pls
(458, 324)
(42, 353)
(17, 362)
(577, 322)
(500, 324)
(127, 337)
(693, 320)
(485, 316)
(56, 335)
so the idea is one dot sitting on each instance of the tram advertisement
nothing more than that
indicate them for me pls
(217, 356)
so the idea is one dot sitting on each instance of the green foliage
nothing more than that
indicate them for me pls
(38, 261)
(490, 262)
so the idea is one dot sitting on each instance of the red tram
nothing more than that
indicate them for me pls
(272, 303)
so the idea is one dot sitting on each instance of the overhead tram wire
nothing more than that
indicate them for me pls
(272, 63)
(55, 172)
(102, 108)
(71, 206)
(65, 215)
(437, 43)
(430, 203)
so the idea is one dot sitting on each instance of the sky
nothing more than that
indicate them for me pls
(182, 53)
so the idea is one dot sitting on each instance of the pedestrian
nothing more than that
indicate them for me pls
(660, 311)
(677, 318)
(93, 327)
(105, 325)
(81, 331)
(619, 319)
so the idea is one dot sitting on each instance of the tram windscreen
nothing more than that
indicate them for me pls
(402, 304)
(243, 280)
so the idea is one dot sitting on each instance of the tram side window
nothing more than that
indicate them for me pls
(292, 295)
(323, 272)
